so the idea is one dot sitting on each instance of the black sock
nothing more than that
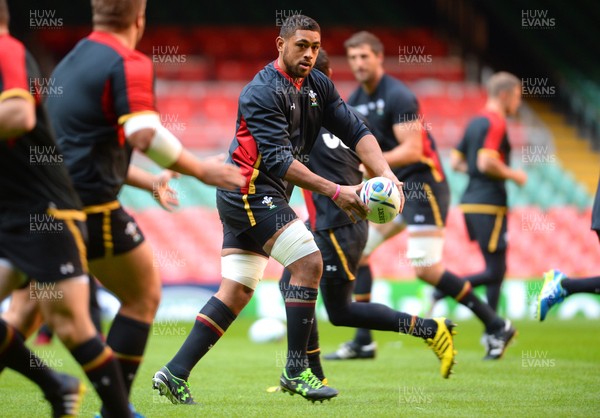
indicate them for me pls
(343, 312)
(21, 336)
(492, 293)
(211, 323)
(584, 285)
(15, 355)
(127, 338)
(461, 291)
(492, 276)
(102, 369)
(300, 311)
(95, 310)
(313, 352)
(362, 293)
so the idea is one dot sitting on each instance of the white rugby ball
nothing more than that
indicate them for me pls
(382, 196)
(267, 330)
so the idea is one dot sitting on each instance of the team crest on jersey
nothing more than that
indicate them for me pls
(313, 98)
(268, 200)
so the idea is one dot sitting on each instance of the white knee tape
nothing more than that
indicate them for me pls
(424, 251)
(295, 242)
(373, 241)
(246, 269)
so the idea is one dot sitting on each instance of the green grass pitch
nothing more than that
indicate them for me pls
(552, 369)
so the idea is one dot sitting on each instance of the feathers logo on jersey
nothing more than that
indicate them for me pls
(313, 98)
(268, 200)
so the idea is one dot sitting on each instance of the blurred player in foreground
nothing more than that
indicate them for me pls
(409, 148)
(23, 312)
(341, 243)
(557, 286)
(42, 236)
(108, 109)
(280, 113)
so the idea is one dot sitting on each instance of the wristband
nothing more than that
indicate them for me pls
(337, 192)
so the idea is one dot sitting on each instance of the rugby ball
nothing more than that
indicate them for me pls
(266, 330)
(382, 196)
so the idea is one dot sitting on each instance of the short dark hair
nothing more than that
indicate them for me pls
(362, 38)
(116, 14)
(4, 15)
(298, 22)
(322, 62)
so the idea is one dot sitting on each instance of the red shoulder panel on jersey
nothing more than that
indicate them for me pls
(12, 64)
(246, 153)
(431, 155)
(496, 131)
(139, 74)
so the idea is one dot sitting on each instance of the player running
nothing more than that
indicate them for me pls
(393, 112)
(110, 110)
(280, 113)
(341, 243)
(557, 286)
(484, 154)
(42, 237)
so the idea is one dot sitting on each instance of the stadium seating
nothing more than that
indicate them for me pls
(187, 241)
(564, 55)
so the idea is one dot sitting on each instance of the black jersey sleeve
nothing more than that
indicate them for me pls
(404, 107)
(339, 119)
(262, 111)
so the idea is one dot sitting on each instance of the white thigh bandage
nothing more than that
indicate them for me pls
(164, 148)
(246, 269)
(295, 242)
(373, 241)
(424, 251)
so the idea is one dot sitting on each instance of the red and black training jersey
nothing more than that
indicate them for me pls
(278, 121)
(33, 176)
(485, 133)
(392, 103)
(105, 83)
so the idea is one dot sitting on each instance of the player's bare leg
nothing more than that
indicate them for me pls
(72, 323)
(23, 312)
(134, 279)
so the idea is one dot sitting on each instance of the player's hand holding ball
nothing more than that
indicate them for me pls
(383, 198)
(399, 185)
(346, 197)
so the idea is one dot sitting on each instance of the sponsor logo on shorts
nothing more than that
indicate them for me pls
(132, 230)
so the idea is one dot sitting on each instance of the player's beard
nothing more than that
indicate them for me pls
(364, 76)
(293, 69)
